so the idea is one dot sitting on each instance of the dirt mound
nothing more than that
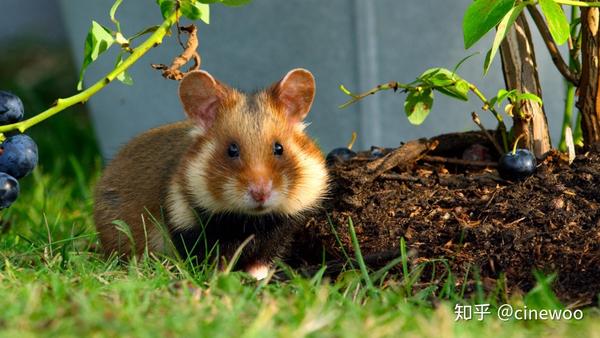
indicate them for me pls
(472, 219)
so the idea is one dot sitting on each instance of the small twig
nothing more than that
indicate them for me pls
(487, 134)
(407, 154)
(515, 222)
(574, 41)
(574, 49)
(190, 52)
(488, 106)
(458, 161)
(557, 58)
(177, 7)
(357, 97)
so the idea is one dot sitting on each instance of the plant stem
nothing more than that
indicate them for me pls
(567, 116)
(516, 143)
(352, 140)
(357, 97)
(570, 96)
(559, 62)
(490, 107)
(578, 132)
(61, 104)
(477, 121)
(408, 87)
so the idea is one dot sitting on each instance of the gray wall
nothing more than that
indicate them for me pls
(358, 43)
(30, 19)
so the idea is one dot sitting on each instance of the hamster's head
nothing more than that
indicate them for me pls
(251, 154)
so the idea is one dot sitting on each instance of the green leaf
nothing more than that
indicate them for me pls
(446, 82)
(166, 7)
(418, 105)
(194, 10)
(461, 90)
(460, 63)
(501, 96)
(481, 16)
(501, 31)
(98, 40)
(529, 96)
(557, 21)
(437, 77)
(124, 77)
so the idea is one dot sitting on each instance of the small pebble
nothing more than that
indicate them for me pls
(557, 203)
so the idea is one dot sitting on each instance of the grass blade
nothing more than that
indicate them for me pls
(359, 257)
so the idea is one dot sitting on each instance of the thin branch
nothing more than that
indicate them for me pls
(557, 58)
(190, 52)
(154, 40)
(488, 106)
(357, 97)
(487, 134)
(571, 89)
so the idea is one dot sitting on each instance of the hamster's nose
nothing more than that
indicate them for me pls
(260, 191)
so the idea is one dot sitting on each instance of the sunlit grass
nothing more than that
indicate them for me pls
(54, 283)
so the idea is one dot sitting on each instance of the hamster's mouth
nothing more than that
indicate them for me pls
(259, 210)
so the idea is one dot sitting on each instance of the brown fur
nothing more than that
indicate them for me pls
(180, 172)
(132, 188)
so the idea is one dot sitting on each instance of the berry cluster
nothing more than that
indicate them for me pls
(18, 153)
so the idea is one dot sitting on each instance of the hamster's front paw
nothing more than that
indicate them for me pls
(258, 270)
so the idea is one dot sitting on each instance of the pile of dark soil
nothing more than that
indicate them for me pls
(471, 218)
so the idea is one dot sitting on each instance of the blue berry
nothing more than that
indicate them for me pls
(11, 108)
(9, 190)
(377, 152)
(19, 155)
(517, 166)
(339, 155)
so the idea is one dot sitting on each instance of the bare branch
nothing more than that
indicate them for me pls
(190, 52)
(357, 97)
(557, 58)
(487, 134)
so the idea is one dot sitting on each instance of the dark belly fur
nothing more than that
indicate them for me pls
(224, 233)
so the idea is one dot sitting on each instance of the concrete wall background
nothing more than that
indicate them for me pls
(358, 43)
(31, 19)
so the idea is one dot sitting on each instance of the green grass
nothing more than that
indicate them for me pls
(53, 283)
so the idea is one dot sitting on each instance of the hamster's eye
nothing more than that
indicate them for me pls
(277, 149)
(233, 150)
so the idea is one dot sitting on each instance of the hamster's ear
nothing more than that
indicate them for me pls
(201, 95)
(295, 92)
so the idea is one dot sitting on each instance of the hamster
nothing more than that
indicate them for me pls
(240, 166)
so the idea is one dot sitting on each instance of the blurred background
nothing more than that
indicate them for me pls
(358, 43)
